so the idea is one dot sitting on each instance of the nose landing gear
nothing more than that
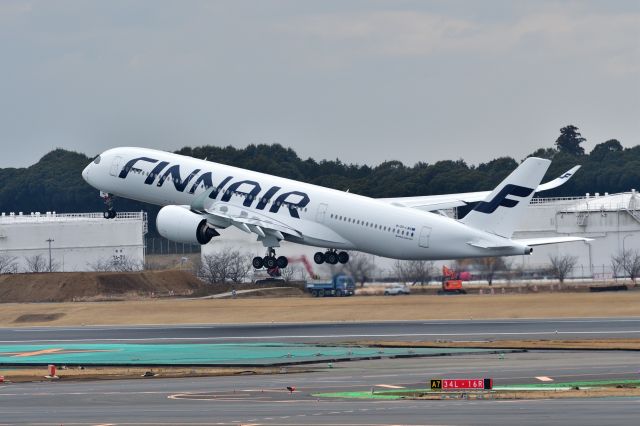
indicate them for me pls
(109, 212)
(331, 256)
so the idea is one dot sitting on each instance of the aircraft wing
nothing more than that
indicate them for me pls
(224, 215)
(447, 201)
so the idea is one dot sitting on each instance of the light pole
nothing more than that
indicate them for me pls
(50, 240)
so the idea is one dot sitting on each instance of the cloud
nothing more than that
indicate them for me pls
(559, 31)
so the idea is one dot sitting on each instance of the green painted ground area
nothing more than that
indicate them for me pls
(404, 393)
(200, 354)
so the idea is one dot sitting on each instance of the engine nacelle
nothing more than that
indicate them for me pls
(184, 226)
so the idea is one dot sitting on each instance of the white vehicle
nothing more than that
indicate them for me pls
(202, 198)
(396, 290)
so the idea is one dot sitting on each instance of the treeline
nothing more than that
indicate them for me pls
(55, 182)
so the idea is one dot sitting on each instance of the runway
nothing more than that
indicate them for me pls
(461, 330)
(264, 399)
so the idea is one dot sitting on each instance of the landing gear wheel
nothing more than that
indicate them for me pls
(331, 257)
(318, 258)
(109, 214)
(257, 262)
(343, 257)
(270, 262)
(282, 262)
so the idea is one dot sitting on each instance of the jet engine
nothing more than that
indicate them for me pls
(184, 226)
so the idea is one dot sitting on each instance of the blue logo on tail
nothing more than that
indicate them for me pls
(501, 198)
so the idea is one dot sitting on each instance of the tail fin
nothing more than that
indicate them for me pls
(500, 211)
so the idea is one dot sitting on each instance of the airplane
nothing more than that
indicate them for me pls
(201, 198)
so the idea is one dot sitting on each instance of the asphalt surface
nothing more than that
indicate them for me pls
(264, 399)
(461, 330)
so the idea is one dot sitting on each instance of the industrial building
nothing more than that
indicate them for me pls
(72, 241)
(611, 220)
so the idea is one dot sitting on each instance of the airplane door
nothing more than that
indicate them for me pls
(322, 210)
(115, 166)
(425, 234)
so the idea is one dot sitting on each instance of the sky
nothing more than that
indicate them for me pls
(362, 81)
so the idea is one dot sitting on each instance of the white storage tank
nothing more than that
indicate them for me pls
(73, 241)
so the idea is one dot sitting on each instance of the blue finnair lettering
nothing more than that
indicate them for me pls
(251, 195)
(282, 199)
(501, 198)
(127, 167)
(293, 200)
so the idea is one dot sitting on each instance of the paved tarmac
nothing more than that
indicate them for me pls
(264, 399)
(461, 330)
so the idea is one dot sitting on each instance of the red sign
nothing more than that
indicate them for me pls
(461, 384)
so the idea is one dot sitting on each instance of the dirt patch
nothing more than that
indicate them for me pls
(79, 286)
(273, 292)
(31, 374)
(38, 317)
(308, 309)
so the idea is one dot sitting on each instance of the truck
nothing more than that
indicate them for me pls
(340, 285)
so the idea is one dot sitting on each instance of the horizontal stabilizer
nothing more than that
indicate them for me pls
(550, 240)
(557, 181)
(489, 245)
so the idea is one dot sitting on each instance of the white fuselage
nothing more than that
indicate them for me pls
(326, 218)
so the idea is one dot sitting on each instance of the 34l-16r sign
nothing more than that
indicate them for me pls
(461, 384)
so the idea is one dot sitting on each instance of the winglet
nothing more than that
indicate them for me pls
(562, 179)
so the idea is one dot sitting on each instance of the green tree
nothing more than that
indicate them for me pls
(569, 140)
(601, 150)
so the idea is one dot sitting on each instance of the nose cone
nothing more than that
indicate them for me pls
(85, 173)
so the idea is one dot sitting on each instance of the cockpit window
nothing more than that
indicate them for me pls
(96, 160)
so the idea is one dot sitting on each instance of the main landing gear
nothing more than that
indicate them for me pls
(109, 212)
(331, 256)
(270, 260)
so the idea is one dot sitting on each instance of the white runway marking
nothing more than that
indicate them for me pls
(544, 379)
(390, 386)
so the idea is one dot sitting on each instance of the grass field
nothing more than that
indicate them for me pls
(306, 309)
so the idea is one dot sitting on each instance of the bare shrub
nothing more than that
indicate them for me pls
(488, 266)
(225, 266)
(360, 266)
(8, 264)
(561, 266)
(39, 263)
(414, 271)
(118, 263)
(627, 261)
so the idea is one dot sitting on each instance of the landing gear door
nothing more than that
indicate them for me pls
(115, 166)
(322, 210)
(425, 235)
